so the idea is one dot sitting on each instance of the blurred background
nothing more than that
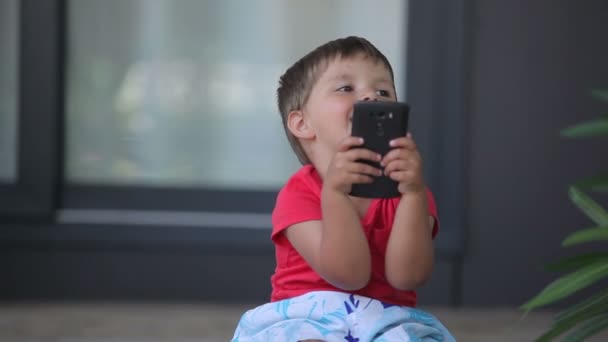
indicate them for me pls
(141, 151)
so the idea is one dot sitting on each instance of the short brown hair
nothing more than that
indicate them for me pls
(297, 82)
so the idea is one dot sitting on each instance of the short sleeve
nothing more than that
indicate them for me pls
(433, 211)
(298, 201)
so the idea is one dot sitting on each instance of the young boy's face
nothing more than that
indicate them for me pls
(329, 108)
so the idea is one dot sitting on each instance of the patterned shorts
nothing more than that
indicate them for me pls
(335, 316)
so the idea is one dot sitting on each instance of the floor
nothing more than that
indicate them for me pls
(88, 322)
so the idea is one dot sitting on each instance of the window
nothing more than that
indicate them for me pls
(182, 93)
(127, 109)
(88, 164)
(8, 90)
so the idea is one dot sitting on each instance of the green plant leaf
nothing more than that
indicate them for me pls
(588, 206)
(588, 317)
(599, 300)
(568, 284)
(600, 94)
(587, 129)
(596, 183)
(558, 328)
(588, 328)
(575, 262)
(586, 235)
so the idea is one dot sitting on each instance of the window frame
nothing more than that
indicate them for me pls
(33, 196)
(437, 81)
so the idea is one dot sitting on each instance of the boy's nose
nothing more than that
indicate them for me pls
(370, 97)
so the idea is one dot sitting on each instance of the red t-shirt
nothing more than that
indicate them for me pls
(300, 201)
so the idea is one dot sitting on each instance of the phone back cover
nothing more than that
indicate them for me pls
(378, 123)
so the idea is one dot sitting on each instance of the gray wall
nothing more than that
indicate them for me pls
(533, 64)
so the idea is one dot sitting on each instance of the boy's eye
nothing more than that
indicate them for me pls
(385, 93)
(345, 88)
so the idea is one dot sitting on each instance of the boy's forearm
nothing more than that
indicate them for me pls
(409, 253)
(345, 255)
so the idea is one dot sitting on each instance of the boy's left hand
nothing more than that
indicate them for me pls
(403, 164)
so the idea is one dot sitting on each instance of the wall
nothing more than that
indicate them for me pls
(533, 65)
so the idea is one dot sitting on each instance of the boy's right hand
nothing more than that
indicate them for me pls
(345, 168)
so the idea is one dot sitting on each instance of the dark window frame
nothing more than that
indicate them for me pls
(436, 83)
(33, 196)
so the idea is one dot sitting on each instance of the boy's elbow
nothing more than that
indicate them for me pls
(407, 284)
(352, 280)
(352, 283)
(358, 282)
(408, 281)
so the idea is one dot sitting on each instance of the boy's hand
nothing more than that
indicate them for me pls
(344, 170)
(403, 164)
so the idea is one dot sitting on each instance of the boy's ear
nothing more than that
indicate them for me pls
(298, 126)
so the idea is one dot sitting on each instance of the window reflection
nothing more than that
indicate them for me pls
(8, 90)
(182, 93)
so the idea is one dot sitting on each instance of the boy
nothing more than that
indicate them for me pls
(346, 266)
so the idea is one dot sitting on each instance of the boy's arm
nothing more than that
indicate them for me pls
(410, 253)
(335, 247)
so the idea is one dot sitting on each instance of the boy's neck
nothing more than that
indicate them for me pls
(319, 161)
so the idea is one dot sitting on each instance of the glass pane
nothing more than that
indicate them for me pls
(182, 93)
(8, 90)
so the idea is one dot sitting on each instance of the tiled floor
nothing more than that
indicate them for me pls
(82, 322)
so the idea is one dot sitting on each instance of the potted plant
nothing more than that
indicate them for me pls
(590, 316)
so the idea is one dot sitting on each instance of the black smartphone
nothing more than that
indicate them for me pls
(378, 123)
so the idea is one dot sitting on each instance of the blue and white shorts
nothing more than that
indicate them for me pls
(334, 316)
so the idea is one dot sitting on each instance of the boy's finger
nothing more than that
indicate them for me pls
(357, 178)
(395, 154)
(399, 176)
(363, 153)
(396, 165)
(350, 142)
(404, 142)
(362, 168)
